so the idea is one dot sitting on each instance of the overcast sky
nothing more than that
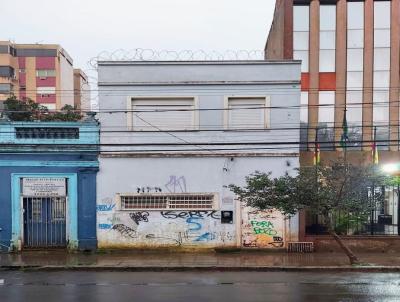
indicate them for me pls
(87, 27)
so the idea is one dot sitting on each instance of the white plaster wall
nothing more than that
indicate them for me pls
(66, 82)
(149, 228)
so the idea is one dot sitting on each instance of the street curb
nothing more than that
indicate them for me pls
(91, 268)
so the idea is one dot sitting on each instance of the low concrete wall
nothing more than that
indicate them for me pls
(384, 244)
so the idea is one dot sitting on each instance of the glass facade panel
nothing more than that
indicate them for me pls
(301, 18)
(301, 32)
(326, 119)
(303, 56)
(327, 39)
(355, 38)
(382, 59)
(328, 17)
(301, 40)
(304, 120)
(382, 14)
(327, 60)
(355, 59)
(381, 80)
(382, 37)
(355, 15)
(354, 118)
(354, 80)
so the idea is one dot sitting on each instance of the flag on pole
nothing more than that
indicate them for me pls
(317, 154)
(375, 154)
(345, 135)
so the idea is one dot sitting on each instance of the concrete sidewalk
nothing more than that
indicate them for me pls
(157, 261)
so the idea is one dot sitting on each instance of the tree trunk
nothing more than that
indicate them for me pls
(353, 258)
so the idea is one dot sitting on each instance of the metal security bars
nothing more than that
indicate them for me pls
(380, 217)
(44, 222)
(167, 201)
(46, 133)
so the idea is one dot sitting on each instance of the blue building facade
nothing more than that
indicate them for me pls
(48, 184)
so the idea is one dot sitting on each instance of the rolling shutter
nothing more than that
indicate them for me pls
(164, 114)
(247, 113)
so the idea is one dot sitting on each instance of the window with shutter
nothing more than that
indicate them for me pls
(247, 113)
(163, 113)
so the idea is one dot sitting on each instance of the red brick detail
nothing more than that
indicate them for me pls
(21, 62)
(22, 79)
(305, 81)
(327, 81)
(46, 82)
(45, 63)
(47, 99)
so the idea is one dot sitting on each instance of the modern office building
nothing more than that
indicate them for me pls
(350, 52)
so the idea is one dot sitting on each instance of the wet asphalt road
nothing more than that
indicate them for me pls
(197, 286)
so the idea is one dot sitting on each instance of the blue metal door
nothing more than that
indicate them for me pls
(44, 222)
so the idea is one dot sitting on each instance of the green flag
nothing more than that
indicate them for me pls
(345, 135)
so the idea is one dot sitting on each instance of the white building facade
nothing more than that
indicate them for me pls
(175, 135)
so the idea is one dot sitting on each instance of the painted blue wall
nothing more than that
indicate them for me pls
(86, 201)
(78, 158)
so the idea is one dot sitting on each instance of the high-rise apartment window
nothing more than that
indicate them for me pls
(327, 38)
(326, 119)
(381, 76)
(355, 71)
(45, 73)
(301, 34)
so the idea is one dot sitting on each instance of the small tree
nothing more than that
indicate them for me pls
(321, 190)
(28, 110)
(24, 111)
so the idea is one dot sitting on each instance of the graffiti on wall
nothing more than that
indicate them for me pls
(137, 217)
(106, 205)
(176, 184)
(148, 190)
(165, 227)
(125, 230)
(190, 214)
(262, 229)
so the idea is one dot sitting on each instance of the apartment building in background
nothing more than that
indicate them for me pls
(41, 72)
(81, 90)
(350, 53)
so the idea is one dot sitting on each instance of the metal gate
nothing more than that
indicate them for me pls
(44, 222)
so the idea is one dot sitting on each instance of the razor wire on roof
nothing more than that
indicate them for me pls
(140, 54)
(146, 55)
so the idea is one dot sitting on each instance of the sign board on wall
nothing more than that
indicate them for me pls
(44, 187)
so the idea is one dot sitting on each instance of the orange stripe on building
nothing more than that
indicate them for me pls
(327, 81)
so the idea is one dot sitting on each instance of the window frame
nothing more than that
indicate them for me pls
(267, 111)
(196, 112)
(214, 206)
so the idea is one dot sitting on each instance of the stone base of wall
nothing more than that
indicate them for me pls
(364, 244)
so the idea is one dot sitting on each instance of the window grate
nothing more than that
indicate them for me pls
(47, 133)
(167, 201)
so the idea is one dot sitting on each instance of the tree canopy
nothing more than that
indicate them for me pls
(322, 190)
(28, 110)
